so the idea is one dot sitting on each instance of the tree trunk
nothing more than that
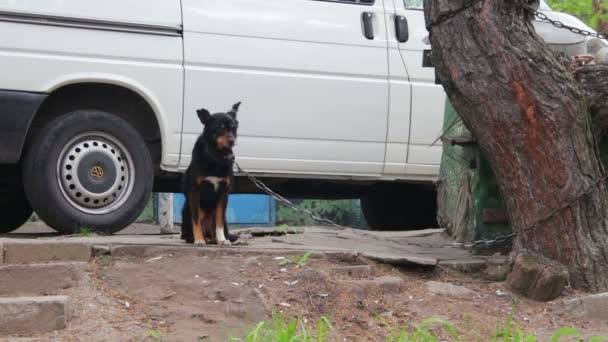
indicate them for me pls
(527, 111)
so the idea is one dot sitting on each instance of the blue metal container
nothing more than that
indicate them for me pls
(258, 210)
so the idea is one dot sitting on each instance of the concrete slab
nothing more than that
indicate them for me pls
(32, 315)
(386, 283)
(40, 279)
(40, 251)
(592, 307)
(422, 247)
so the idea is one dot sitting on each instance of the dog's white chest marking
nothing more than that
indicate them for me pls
(215, 181)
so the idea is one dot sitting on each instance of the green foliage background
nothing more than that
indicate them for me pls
(583, 9)
(343, 212)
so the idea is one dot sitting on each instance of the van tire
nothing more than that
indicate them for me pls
(88, 168)
(15, 210)
(403, 207)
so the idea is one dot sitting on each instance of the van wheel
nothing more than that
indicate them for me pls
(14, 208)
(88, 168)
(407, 207)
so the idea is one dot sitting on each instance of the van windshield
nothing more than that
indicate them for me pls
(544, 6)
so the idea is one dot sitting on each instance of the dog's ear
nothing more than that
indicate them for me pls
(203, 115)
(235, 108)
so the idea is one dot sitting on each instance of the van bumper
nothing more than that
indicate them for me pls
(17, 109)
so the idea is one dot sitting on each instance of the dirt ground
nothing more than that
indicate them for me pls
(214, 298)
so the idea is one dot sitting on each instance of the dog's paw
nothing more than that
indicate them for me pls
(200, 242)
(224, 243)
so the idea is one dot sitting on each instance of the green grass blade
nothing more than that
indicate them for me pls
(304, 259)
(563, 332)
(599, 339)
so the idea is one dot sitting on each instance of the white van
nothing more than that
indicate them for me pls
(98, 100)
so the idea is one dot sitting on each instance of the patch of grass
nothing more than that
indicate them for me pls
(155, 335)
(300, 261)
(285, 229)
(85, 231)
(280, 330)
(282, 228)
(512, 332)
(421, 332)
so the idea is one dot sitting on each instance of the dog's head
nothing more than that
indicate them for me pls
(220, 128)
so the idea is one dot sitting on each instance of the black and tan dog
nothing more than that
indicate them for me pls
(208, 180)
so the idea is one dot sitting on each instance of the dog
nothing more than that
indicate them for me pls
(208, 180)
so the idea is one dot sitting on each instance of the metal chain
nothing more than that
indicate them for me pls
(501, 239)
(543, 17)
(504, 238)
(284, 200)
(539, 15)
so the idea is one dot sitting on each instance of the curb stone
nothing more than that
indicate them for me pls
(32, 315)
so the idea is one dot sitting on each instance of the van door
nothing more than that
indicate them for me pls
(312, 76)
(400, 91)
(428, 98)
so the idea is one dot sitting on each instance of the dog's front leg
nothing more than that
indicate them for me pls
(198, 218)
(220, 221)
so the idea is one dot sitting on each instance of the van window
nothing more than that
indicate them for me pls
(414, 4)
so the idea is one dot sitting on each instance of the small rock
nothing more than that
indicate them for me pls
(592, 307)
(100, 250)
(501, 293)
(451, 290)
(251, 260)
(154, 259)
(357, 271)
(387, 314)
(537, 277)
(386, 283)
(283, 270)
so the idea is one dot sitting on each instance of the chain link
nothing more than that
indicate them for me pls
(543, 17)
(504, 238)
(539, 15)
(499, 240)
(284, 200)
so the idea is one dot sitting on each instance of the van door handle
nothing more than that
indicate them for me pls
(401, 29)
(368, 26)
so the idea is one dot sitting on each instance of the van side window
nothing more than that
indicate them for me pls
(358, 2)
(414, 4)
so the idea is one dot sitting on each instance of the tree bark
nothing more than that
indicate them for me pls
(528, 113)
(594, 80)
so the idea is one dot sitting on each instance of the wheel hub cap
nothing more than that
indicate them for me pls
(95, 175)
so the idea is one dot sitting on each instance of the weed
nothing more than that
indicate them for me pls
(155, 335)
(300, 261)
(511, 332)
(282, 228)
(85, 231)
(280, 330)
(421, 332)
